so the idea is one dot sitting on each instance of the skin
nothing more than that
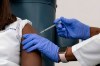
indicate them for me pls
(32, 58)
(94, 31)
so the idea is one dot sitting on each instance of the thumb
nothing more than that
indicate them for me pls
(25, 35)
(32, 48)
(66, 21)
(56, 21)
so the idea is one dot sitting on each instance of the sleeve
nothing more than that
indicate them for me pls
(88, 51)
(22, 25)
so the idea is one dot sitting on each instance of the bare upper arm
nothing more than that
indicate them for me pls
(33, 58)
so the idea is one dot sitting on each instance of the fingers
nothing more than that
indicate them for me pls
(56, 20)
(25, 35)
(31, 43)
(28, 38)
(63, 21)
(66, 21)
(59, 26)
(32, 48)
(61, 30)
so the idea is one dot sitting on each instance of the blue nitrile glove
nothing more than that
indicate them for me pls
(34, 41)
(72, 28)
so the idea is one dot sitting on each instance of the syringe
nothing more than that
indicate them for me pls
(48, 28)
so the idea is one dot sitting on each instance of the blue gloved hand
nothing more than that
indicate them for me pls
(34, 41)
(72, 28)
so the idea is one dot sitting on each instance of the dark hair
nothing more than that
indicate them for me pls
(6, 17)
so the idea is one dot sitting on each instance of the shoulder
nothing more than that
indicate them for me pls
(24, 21)
(26, 26)
(28, 29)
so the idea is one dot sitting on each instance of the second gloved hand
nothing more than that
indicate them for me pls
(72, 28)
(34, 41)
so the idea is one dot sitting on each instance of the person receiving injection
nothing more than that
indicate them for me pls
(86, 52)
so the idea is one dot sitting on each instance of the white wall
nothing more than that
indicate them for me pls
(87, 11)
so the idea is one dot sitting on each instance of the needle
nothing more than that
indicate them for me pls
(47, 28)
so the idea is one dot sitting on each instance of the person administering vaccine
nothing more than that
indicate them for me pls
(86, 52)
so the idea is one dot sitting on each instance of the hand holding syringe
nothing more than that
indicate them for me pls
(50, 28)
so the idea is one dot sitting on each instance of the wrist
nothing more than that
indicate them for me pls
(69, 55)
(86, 34)
(94, 31)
